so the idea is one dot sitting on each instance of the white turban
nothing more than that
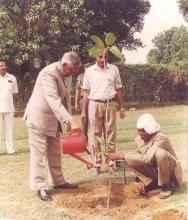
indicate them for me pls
(148, 123)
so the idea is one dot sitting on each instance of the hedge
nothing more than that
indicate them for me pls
(153, 84)
(142, 85)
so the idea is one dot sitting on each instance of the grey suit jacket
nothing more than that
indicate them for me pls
(47, 103)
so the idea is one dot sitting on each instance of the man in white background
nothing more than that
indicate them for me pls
(8, 87)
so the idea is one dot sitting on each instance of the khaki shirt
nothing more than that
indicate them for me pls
(146, 152)
(79, 83)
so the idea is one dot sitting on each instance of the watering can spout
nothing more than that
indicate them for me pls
(88, 164)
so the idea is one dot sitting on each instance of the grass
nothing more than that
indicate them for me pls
(18, 202)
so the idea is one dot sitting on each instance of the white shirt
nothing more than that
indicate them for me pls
(8, 87)
(102, 83)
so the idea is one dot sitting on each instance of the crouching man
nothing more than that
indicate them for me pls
(154, 163)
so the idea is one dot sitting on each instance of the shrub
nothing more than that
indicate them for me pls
(153, 84)
(142, 84)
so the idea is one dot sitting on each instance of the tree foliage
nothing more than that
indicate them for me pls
(36, 32)
(171, 47)
(183, 7)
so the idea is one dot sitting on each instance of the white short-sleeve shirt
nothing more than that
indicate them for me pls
(8, 87)
(102, 83)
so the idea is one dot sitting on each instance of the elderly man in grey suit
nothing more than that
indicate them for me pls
(155, 162)
(48, 107)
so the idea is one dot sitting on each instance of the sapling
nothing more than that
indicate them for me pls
(103, 48)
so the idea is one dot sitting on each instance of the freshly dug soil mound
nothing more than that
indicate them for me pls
(171, 214)
(125, 201)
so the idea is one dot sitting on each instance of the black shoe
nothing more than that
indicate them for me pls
(153, 185)
(66, 185)
(44, 195)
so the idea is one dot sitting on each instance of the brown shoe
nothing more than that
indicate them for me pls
(165, 191)
(143, 190)
(66, 185)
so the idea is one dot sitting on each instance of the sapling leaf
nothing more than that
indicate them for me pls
(95, 51)
(110, 39)
(117, 53)
(97, 40)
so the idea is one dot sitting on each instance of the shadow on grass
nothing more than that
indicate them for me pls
(182, 189)
(103, 178)
(21, 138)
(124, 141)
(18, 153)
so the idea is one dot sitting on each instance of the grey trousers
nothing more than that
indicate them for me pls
(45, 159)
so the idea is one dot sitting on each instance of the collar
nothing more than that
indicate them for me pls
(5, 76)
(152, 139)
(58, 67)
(98, 68)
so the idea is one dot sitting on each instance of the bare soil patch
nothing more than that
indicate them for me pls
(125, 201)
(171, 214)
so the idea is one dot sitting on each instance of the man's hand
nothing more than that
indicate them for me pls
(84, 118)
(72, 125)
(122, 113)
(115, 156)
(77, 108)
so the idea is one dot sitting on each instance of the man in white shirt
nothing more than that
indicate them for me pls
(8, 87)
(103, 87)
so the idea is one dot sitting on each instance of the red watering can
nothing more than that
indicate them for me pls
(76, 143)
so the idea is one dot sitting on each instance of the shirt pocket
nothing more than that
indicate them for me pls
(9, 85)
(110, 80)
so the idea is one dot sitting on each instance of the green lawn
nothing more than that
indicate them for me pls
(18, 202)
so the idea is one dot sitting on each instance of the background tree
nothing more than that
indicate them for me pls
(34, 32)
(171, 47)
(183, 7)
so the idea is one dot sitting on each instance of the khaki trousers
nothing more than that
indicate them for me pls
(6, 120)
(102, 121)
(44, 149)
(161, 171)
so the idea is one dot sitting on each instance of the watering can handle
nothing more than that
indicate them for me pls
(76, 131)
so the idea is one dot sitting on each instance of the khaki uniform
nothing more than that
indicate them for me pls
(155, 160)
(102, 85)
(47, 106)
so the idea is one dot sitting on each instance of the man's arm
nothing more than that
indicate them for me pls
(15, 97)
(121, 102)
(84, 115)
(51, 95)
(77, 99)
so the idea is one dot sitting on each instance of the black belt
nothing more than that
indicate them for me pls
(104, 101)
